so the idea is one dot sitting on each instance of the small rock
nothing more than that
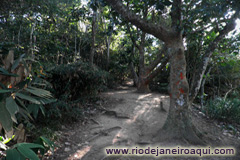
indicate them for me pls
(230, 135)
(67, 149)
(98, 102)
(67, 143)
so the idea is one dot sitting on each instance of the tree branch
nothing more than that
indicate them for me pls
(134, 74)
(196, 81)
(176, 14)
(159, 69)
(158, 31)
(155, 62)
(131, 36)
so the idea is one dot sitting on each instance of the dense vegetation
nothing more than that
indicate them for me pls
(56, 56)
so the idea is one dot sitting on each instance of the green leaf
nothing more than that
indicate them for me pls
(26, 150)
(21, 103)
(33, 108)
(28, 145)
(28, 98)
(27, 153)
(12, 108)
(16, 63)
(39, 92)
(5, 118)
(6, 73)
(46, 101)
(42, 110)
(48, 142)
(13, 154)
(3, 71)
(5, 91)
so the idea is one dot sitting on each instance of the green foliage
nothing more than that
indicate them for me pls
(227, 110)
(25, 100)
(76, 80)
(119, 67)
(23, 151)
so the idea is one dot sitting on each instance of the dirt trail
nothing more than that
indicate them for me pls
(135, 121)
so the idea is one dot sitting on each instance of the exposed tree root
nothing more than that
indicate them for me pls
(95, 121)
(104, 132)
(187, 135)
(113, 113)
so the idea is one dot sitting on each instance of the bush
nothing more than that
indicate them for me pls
(76, 80)
(227, 110)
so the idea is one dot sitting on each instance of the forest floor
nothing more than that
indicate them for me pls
(128, 119)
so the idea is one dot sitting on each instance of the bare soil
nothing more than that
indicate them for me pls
(129, 119)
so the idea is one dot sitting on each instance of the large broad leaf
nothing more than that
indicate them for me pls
(45, 141)
(5, 118)
(46, 101)
(39, 92)
(13, 154)
(28, 145)
(26, 151)
(28, 98)
(33, 108)
(6, 73)
(12, 108)
(23, 109)
(5, 91)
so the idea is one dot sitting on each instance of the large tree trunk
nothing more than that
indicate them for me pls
(179, 124)
(143, 87)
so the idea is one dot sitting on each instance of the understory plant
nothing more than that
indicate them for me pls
(227, 110)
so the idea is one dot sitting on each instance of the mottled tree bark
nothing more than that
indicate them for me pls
(179, 124)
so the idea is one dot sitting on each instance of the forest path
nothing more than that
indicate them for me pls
(129, 119)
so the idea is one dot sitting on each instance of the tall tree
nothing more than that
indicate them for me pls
(146, 73)
(178, 123)
(93, 37)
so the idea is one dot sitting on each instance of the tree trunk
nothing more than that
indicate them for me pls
(93, 38)
(108, 42)
(143, 87)
(179, 124)
(142, 84)
(197, 80)
(202, 87)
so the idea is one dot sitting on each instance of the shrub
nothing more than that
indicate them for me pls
(75, 80)
(227, 110)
